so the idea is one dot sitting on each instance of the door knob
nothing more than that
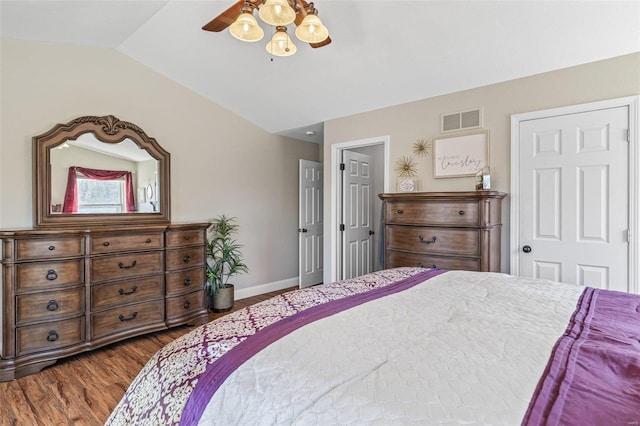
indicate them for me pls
(371, 232)
(302, 230)
(526, 249)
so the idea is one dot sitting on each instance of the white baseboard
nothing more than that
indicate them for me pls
(243, 293)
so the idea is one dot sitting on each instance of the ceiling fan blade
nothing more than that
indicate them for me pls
(226, 18)
(321, 43)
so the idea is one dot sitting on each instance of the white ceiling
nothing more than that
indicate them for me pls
(382, 53)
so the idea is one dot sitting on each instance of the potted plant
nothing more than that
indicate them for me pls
(224, 260)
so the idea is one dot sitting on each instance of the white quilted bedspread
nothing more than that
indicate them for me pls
(461, 348)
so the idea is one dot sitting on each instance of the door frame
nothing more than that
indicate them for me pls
(632, 103)
(331, 272)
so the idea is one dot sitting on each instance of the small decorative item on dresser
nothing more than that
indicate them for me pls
(408, 184)
(483, 179)
(224, 259)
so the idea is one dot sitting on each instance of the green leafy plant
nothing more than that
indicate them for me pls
(224, 257)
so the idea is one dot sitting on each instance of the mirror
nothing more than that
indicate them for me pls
(100, 171)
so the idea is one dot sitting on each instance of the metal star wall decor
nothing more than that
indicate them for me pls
(421, 147)
(406, 166)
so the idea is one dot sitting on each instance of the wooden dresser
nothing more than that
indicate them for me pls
(70, 291)
(447, 230)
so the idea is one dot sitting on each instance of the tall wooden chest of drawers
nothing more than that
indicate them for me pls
(70, 291)
(447, 230)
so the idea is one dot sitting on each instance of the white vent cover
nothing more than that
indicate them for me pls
(461, 120)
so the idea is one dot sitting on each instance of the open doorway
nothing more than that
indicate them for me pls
(377, 150)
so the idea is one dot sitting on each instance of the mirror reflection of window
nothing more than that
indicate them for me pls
(89, 152)
(101, 196)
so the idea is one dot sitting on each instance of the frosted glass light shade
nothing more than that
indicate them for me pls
(277, 12)
(246, 28)
(281, 44)
(311, 30)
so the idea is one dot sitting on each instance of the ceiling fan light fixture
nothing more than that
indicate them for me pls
(277, 12)
(311, 30)
(281, 44)
(246, 28)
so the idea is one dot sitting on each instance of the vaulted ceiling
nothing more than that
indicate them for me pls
(383, 53)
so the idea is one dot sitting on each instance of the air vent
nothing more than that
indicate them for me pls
(462, 120)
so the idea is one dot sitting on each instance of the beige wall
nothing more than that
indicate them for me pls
(220, 163)
(607, 79)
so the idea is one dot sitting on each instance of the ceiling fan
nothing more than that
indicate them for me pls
(278, 13)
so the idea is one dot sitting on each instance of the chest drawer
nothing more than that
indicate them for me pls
(123, 266)
(47, 248)
(184, 238)
(433, 212)
(186, 280)
(396, 259)
(127, 318)
(120, 293)
(186, 304)
(51, 335)
(185, 258)
(49, 306)
(126, 242)
(433, 240)
(43, 275)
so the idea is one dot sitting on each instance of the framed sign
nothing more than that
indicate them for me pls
(460, 155)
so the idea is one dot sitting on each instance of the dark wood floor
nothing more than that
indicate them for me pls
(84, 389)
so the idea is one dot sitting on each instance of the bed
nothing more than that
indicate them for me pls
(404, 346)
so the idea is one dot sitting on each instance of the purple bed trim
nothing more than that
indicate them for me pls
(593, 374)
(216, 373)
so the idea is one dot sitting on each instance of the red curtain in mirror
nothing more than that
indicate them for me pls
(71, 194)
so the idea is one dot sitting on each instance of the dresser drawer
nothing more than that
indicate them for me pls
(433, 212)
(185, 238)
(126, 242)
(433, 240)
(124, 292)
(44, 275)
(126, 266)
(47, 248)
(51, 335)
(186, 304)
(186, 280)
(394, 259)
(127, 318)
(49, 306)
(185, 258)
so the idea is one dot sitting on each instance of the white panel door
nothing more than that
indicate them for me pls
(574, 198)
(357, 254)
(310, 224)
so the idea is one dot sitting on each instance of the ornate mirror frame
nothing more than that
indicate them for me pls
(110, 130)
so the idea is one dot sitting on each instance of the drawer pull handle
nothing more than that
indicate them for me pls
(125, 293)
(186, 258)
(121, 265)
(132, 317)
(431, 241)
(52, 336)
(148, 241)
(52, 275)
(461, 212)
(52, 248)
(52, 306)
(106, 244)
(187, 237)
(187, 304)
(400, 211)
(187, 281)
